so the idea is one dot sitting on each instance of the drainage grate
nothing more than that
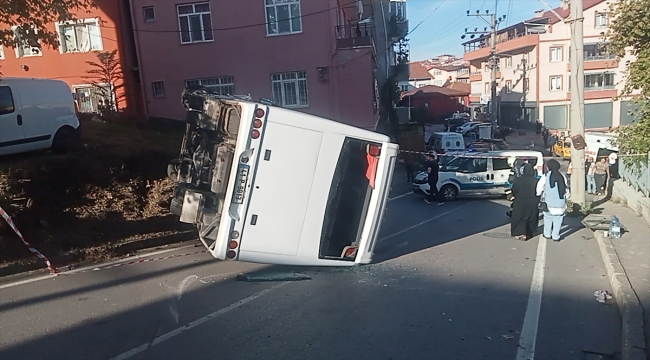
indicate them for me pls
(496, 235)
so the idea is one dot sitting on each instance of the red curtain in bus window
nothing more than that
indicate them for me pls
(371, 173)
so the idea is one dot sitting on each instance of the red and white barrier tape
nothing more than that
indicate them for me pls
(31, 249)
(465, 154)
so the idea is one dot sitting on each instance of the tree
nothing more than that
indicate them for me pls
(28, 15)
(629, 33)
(107, 77)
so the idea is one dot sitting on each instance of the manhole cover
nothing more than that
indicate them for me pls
(495, 235)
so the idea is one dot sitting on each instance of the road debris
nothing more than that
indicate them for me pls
(507, 337)
(602, 296)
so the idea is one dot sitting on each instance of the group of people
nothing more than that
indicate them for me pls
(598, 173)
(530, 195)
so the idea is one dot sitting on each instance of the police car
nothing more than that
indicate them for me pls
(482, 174)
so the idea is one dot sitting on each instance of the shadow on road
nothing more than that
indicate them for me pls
(371, 312)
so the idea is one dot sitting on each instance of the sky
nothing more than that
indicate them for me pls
(444, 22)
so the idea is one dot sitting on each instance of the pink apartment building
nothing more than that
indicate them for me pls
(313, 56)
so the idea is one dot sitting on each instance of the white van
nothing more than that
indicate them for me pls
(599, 144)
(36, 114)
(443, 142)
(484, 173)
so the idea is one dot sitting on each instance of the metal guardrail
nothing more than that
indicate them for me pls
(637, 176)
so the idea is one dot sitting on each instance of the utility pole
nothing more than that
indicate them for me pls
(494, 57)
(577, 125)
(524, 64)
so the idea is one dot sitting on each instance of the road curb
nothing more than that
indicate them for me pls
(632, 334)
(119, 251)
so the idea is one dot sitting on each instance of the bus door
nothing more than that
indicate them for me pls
(280, 189)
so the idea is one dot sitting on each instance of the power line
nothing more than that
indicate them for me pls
(243, 26)
(426, 17)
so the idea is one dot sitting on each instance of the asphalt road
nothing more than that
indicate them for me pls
(448, 285)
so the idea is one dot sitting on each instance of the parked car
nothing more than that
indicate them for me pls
(36, 114)
(467, 127)
(488, 145)
(452, 124)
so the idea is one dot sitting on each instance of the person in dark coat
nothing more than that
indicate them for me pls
(525, 206)
(409, 166)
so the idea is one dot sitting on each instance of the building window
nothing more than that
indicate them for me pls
(283, 17)
(224, 85)
(158, 89)
(2, 52)
(508, 86)
(602, 20)
(195, 23)
(290, 89)
(486, 68)
(81, 36)
(508, 61)
(92, 99)
(488, 88)
(555, 83)
(398, 9)
(476, 88)
(556, 54)
(599, 81)
(593, 52)
(148, 14)
(26, 48)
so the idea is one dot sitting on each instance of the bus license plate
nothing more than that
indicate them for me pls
(240, 184)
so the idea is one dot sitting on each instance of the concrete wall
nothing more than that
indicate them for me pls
(631, 198)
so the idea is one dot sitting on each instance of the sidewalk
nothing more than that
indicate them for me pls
(633, 252)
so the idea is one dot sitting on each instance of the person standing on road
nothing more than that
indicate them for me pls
(555, 192)
(408, 164)
(591, 180)
(601, 173)
(432, 178)
(525, 211)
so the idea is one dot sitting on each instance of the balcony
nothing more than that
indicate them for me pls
(351, 11)
(510, 46)
(354, 36)
(398, 27)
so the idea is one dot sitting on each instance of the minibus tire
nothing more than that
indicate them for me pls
(172, 169)
(176, 206)
(453, 190)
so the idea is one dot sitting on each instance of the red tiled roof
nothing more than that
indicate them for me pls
(417, 70)
(464, 87)
(447, 68)
(564, 13)
(432, 90)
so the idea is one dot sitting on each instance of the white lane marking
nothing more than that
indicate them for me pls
(86, 268)
(424, 222)
(195, 323)
(528, 335)
(400, 196)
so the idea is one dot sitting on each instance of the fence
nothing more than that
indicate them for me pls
(637, 176)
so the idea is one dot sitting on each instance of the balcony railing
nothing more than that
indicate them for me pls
(354, 36)
(476, 73)
(600, 57)
(484, 42)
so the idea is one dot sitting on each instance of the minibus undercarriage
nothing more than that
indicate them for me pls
(203, 167)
